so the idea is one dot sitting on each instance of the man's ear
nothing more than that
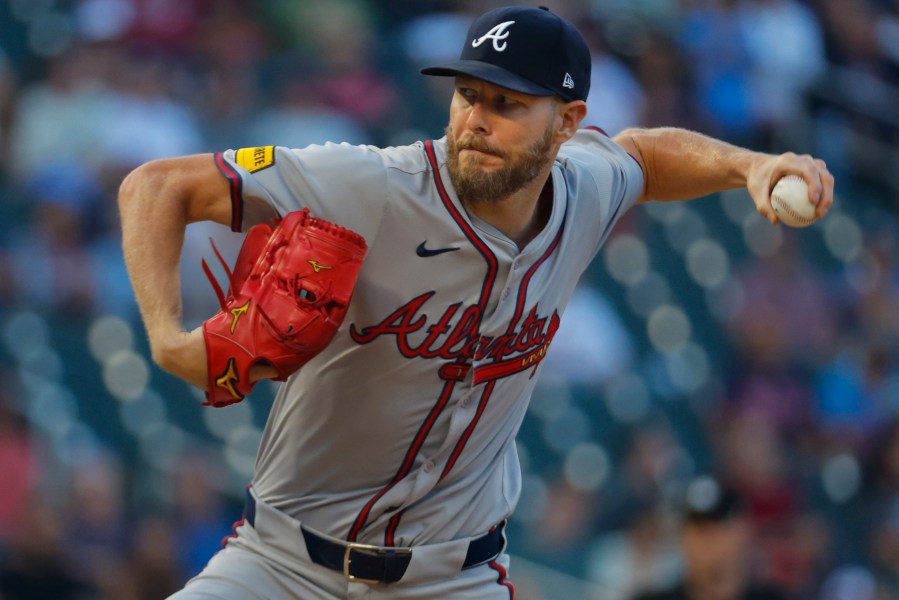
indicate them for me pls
(570, 115)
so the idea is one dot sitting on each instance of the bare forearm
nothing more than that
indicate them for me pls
(680, 165)
(153, 225)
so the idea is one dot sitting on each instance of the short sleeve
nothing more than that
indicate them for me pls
(604, 180)
(341, 183)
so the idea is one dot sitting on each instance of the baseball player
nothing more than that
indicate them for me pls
(388, 467)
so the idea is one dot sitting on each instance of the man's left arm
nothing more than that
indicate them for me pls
(681, 165)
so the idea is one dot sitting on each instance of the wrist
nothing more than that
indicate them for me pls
(182, 354)
(164, 342)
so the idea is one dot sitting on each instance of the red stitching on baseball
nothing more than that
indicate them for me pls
(785, 207)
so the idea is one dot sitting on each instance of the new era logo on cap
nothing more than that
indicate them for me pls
(525, 49)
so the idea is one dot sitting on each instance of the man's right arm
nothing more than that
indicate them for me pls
(156, 203)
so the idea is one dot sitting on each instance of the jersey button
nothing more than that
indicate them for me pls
(505, 293)
(429, 466)
(466, 401)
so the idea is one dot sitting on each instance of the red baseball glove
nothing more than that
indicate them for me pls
(288, 294)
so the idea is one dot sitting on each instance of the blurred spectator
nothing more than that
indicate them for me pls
(853, 582)
(233, 49)
(875, 279)
(711, 37)
(168, 25)
(663, 71)
(638, 557)
(616, 99)
(49, 259)
(561, 533)
(632, 549)
(786, 315)
(856, 391)
(884, 549)
(780, 335)
(301, 115)
(19, 466)
(152, 570)
(143, 118)
(61, 118)
(35, 567)
(592, 343)
(430, 38)
(346, 52)
(651, 461)
(757, 463)
(7, 87)
(849, 27)
(716, 543)
(754, 461)
(786, 49)
(338, 43)
(199, 517)
(874, 513)
(887, 30)
(96, 536)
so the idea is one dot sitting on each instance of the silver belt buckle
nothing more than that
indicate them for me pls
(377, 550)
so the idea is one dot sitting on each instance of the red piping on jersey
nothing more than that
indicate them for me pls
(460, 445)
(389, 535)
(465, 227)
(408, 461)
(595, 128)
(236, 186)
(486, 288)
(501, 579)
(523, 288)
(233, 531)
(485, 295)
(509, 366)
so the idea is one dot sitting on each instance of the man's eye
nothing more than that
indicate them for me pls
(467, 93)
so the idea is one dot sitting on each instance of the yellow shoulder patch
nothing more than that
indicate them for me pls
(256, 159)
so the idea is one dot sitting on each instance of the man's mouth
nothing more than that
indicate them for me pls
(483, 151)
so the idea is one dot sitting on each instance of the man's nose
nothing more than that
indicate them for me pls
(478, 119)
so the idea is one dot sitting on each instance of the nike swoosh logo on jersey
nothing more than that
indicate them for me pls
(425, 252)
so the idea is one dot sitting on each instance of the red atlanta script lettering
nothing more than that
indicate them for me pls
(450, 341)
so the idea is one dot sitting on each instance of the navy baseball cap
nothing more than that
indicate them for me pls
(525, 49)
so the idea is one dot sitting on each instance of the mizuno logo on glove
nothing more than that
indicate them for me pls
(318, 267)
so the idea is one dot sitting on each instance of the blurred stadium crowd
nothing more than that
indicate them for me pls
(703, 340)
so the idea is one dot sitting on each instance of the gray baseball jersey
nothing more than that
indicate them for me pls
(402, 431)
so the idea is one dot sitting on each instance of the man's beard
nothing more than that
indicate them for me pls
(474, 185)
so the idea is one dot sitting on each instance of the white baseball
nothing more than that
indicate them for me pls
(789, 198)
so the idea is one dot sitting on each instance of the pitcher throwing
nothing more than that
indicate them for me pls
(388, 466)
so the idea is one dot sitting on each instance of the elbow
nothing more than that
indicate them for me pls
(128, 187)
(627, 137)
(142, 178)
(188, 187)
(142, 187)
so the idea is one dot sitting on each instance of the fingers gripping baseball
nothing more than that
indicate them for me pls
(765, 174)
(289, 293)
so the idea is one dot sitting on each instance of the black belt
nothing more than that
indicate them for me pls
(380, 564)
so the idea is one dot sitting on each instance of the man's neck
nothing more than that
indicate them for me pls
(521, 216)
